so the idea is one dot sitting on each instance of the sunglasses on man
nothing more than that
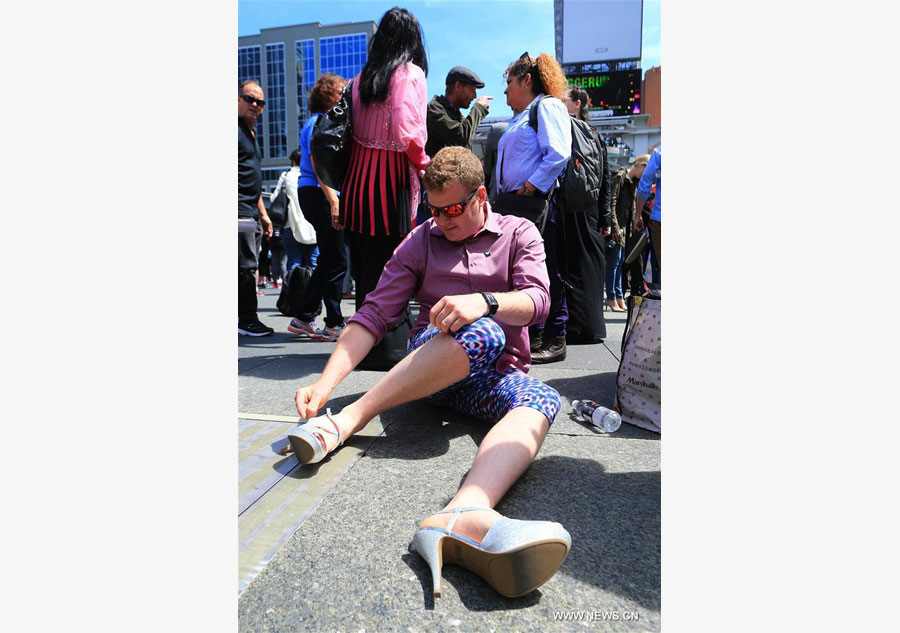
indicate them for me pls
(260, 102)
(452, 210)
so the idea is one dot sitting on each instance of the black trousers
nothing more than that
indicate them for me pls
(327, 281)
(368, 256)
(248, 260)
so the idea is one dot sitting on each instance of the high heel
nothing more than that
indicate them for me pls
(514, 557)
(308, 439)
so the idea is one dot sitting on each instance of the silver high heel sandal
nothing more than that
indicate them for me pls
(308, 439)
(515, 557)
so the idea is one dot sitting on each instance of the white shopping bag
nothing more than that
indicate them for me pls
(638, 383)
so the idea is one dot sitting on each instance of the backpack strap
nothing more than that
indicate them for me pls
(532, 114)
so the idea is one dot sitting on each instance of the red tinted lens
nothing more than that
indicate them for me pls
(451, 212)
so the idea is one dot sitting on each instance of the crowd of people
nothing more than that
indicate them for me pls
(503, 261)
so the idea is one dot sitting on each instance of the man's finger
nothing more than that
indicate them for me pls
(435, 311)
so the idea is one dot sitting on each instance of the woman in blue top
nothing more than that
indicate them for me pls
(317, 201)
(528, 163)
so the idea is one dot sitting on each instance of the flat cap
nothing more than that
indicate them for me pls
(464, 75)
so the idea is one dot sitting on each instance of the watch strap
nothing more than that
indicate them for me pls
(491, 302)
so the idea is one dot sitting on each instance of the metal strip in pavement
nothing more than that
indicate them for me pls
(267, 417)
(286, 497)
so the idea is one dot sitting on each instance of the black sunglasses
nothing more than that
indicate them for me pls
(260, 102)
(452, 210)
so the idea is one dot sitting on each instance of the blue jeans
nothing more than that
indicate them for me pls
(298, 254)
(615, 259)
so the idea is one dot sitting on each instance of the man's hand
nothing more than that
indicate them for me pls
(638, 222)
(605, 231)
(456, 311)
(485, 101)
(310, 399)
(267, 225)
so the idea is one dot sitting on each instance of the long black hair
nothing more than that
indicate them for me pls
(398, 40)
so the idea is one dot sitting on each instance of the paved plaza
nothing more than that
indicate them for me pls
(327, 547)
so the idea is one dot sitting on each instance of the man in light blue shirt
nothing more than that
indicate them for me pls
(531, 159)
(652, 176)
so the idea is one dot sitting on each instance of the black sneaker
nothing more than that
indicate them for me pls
(254, 329)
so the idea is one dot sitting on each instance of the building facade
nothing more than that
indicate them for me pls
(286, 61)
(652, 95)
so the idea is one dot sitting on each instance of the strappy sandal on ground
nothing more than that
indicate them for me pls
(309, 439)
(515, 557)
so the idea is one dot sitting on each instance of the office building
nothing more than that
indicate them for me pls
(286, 61)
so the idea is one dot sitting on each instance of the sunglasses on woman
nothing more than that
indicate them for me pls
(452, 210)
(260, 102)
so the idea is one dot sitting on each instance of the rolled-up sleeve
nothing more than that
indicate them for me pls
(529, 271)
(554, 135)
(398, 282)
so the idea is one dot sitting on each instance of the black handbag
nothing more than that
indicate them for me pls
(331, 141)
(392, 348)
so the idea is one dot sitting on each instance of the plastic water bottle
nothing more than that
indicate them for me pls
(601, 417)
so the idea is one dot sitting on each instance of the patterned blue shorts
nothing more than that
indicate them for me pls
(485, 393)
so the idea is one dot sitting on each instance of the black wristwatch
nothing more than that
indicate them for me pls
(492, 303)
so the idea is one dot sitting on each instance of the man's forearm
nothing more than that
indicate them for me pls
(353, 345)
(514, 308)
(262, 209)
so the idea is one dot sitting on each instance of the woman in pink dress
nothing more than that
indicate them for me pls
(381, 189)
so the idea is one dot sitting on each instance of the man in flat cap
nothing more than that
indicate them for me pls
(446, 124)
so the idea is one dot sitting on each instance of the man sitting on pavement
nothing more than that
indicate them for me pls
(481, 280)
(445, 123)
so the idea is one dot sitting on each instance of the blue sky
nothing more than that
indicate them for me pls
(484, 35)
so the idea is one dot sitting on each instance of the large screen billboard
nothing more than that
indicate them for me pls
(614, 93)
(601, 30)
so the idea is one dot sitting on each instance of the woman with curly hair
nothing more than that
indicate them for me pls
(529, 161)
(319, 203)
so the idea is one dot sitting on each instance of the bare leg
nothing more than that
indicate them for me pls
(439, 363)
(505, 453)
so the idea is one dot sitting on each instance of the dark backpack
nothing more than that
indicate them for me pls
(292, 291)
(582, 177)
(278, 210)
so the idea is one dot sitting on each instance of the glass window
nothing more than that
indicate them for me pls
(343, 55)
(275, 101)
(305, 53)
(249, 68)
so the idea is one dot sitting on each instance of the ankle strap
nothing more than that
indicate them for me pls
(457, 511)
(337, 428)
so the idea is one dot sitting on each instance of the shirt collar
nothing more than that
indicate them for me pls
(444, 101)
(491, 224)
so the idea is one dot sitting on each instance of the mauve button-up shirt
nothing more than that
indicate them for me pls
(506, 254)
